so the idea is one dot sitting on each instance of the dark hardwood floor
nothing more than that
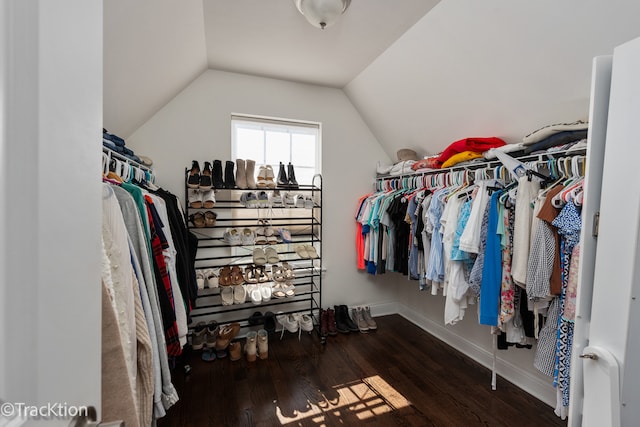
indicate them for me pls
(396, 376)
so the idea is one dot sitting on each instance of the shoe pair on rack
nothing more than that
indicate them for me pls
(307, 252)
(284, 180)
(208, 277)
(245, 174)
(266, 178)
(255, 200)
(201, 220)
(268, 320)
(211, 175)
(259, 292)
(200, 179)
(199, 199)
(264, 256)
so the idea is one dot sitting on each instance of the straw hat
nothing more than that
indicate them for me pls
(407, 154)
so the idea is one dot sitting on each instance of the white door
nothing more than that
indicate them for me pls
(613, 330)
(598, 115)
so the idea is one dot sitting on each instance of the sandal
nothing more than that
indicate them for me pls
(239, 294)
(311, 252)
(255, 294)
(212, 278)
(259, 257)
(265, 290)
(193, 179)
(210, 218)
(287, 271)
(197, 219)
(226, 295)
(250, 274)
(225, 276)
(236, 276)
(208, 199)
(302, 252)
(277, 273)
(262, 275)
(271, 255)
(269, 177)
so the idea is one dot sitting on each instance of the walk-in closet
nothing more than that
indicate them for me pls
(319, 213)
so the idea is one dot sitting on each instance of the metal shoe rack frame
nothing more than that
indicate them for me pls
(305, 225)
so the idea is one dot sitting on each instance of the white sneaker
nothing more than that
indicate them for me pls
(306, 323)
(308, 202)
(299, 201)
(289, 200)
(248, 237)
(232, 237)
(276, 199)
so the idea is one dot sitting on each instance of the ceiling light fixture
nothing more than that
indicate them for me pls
(322, 13)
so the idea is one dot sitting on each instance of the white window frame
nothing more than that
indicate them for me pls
(271, 123)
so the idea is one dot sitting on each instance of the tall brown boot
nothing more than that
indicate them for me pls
(241, 176)
(250, 166)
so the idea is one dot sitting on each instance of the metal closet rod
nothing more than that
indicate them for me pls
(542, 157)
(116, 155)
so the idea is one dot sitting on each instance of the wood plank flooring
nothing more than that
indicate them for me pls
(396, 376)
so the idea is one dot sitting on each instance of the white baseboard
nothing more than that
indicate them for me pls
(515, 374)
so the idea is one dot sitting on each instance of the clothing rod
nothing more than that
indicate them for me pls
(116, 155)
(542, 157)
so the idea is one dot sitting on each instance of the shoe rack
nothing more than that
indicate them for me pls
(304, 223)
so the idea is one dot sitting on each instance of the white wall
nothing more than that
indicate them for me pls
(51, 90)
(196, 125)
(489, 68)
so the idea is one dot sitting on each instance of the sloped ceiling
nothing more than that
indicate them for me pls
(490, 68)
(152, 50)
(421, 73)
(272, 39)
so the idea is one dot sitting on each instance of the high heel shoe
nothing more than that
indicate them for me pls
(250, 346)
(205, 178)
(263, 344)
(193, 180)
(241, 174)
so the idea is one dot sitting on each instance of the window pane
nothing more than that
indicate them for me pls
(250, 144)
(277, 147)
(303, 150)
(271, 142)
(303, 175)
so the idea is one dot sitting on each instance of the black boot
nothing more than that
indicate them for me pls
(229, 175)
(218, 182)
(341, 324)
(282, 177)
(347, 319)
(292, 177)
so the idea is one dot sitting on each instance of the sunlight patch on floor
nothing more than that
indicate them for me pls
(364, 398)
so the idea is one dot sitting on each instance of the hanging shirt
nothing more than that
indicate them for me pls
(492, 269)
(527, 192)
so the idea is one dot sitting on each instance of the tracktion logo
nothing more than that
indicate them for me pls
(47, 411)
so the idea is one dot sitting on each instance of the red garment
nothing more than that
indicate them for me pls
(478, 145)
(165, 292)
(428, 163)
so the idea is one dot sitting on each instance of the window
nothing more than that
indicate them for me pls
(271, 141)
